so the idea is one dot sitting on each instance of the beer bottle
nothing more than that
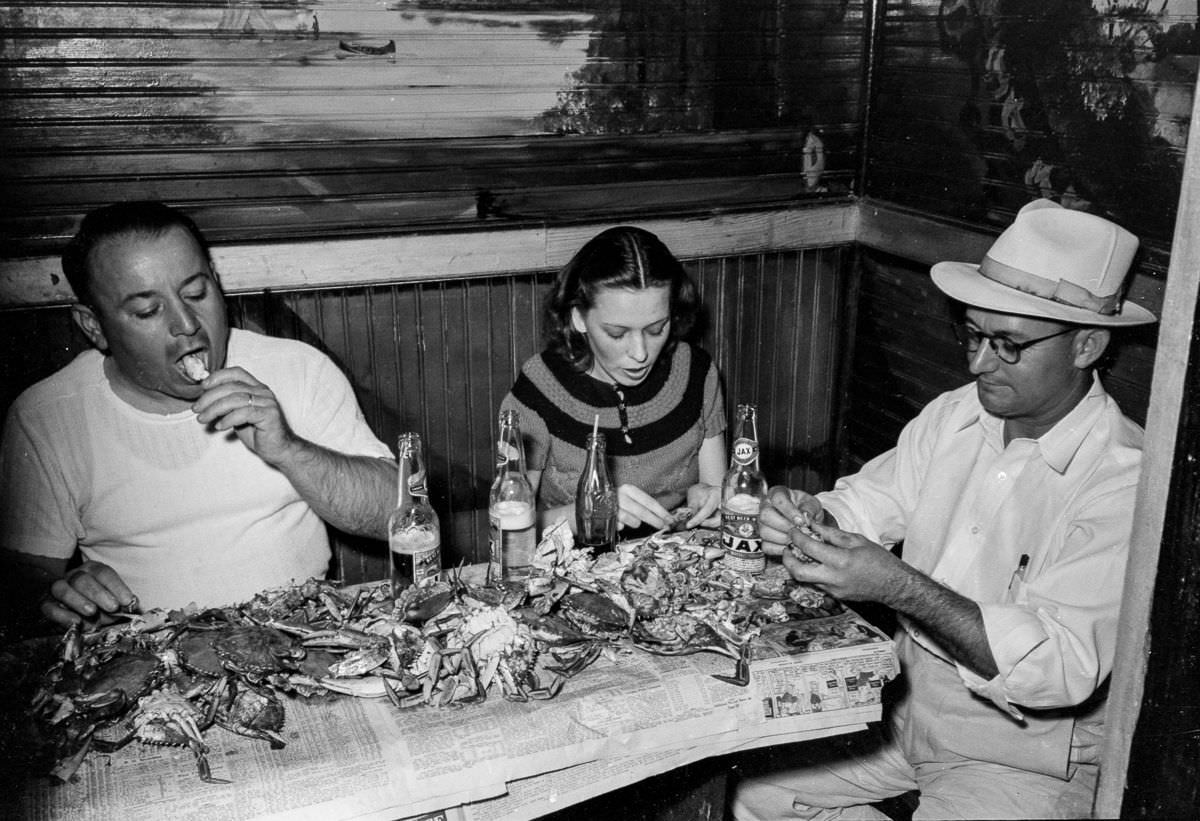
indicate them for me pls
(596, 500)
(511, 532)
(414, 536)
(742, 494)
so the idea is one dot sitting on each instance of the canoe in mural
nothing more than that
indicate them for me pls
(387, 49)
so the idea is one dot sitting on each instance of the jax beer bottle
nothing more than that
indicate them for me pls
(742, 494)
(414, 537)
(511, 536)
(596, 501)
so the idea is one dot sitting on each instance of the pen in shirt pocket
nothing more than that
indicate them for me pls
(1019, 573)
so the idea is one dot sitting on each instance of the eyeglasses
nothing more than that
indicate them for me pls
(1007, 350)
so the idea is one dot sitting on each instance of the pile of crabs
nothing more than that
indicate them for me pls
(165, 678)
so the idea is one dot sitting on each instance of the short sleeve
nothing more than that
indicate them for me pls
(38, 515)
(331, 416)
(713, 421)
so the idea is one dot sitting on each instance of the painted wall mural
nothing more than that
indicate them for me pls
(1086, 102)
(282, 116)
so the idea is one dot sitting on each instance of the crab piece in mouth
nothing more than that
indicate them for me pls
(195, 366)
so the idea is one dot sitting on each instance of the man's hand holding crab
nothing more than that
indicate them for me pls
(234, 400)
(815, 550)
(92, 592)
(782, 511)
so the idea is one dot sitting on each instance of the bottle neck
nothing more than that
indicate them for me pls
(595, 467)
(745, 440)
(418, 483)
(404, 496)
(511, 458)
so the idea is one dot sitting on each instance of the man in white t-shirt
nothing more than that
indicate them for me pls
(183, 461)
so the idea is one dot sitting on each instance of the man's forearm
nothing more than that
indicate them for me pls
(353, 493)
(952, 620)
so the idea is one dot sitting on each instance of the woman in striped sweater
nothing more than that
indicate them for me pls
(616, 322)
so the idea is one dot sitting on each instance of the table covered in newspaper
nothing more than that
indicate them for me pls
(628, 716)
(811, 669)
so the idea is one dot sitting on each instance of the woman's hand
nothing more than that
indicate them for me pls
(705, 500)
(637, 507)
(90, 592)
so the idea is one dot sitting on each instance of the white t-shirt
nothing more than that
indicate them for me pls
(183, 513)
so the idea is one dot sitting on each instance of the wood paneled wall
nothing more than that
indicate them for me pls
(438, 356)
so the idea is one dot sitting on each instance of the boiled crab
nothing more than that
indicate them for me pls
(684, 634)
(92, 687)
(165, 718)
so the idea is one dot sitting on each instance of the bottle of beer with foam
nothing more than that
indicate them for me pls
(414, 534)
(742, 494)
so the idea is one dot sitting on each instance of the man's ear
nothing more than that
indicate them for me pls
(89, 323)
(1090, 345)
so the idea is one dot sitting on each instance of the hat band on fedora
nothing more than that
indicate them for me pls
(1068, 293)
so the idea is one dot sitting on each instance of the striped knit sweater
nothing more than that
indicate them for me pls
(667, 417)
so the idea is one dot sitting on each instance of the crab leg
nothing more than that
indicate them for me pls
(66, 768)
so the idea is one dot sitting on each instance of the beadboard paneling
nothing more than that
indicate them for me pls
(437, 357)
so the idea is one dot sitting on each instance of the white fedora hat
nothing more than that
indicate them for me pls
(1053, 263)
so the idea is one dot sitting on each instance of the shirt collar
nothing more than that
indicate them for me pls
(1058, 445)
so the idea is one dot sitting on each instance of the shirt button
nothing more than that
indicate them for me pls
(1002, 476)
(975, 529)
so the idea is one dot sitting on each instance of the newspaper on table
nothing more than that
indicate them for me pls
(629, 716)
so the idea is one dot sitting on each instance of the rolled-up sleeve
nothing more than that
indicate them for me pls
(1054, 641)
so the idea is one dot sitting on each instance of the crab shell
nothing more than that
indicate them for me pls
(105, 690)
(595, 614)
(255, 712)
(165, 717)
(256, 650)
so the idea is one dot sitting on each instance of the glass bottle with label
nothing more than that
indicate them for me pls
(414, 535)
(596, 501)
(511, 530)
(742, 494)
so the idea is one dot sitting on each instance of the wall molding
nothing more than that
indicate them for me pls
(251, 267)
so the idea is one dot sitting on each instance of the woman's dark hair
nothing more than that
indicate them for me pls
(622, 257)
(121, 219)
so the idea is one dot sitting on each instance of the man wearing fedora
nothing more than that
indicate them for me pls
(997, 530)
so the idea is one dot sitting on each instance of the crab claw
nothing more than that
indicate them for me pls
(202, 765)
(741, 677)
(579, 662)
